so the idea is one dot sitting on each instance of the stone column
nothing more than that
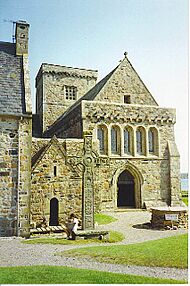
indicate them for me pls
(109, 141)
(88, 183)
(146, 143)
(122, 142)
(134, 143)
(24, 176)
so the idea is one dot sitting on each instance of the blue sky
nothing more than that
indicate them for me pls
(95, 33)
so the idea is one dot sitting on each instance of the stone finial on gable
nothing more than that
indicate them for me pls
(125, 54)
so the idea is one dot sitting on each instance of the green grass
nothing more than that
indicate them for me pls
(166, 252)
(114, 237)
(104, 219)
(68, 275)
(185, 200)
(185, 196)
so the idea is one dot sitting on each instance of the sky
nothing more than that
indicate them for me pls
(94, 34)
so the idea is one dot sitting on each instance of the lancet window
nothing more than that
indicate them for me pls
(115, 140)
(127, 141)
(139, 141)
(151, 141)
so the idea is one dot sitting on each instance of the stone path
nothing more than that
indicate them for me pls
(14, 253)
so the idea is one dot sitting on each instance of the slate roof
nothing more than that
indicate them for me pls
(11, 81)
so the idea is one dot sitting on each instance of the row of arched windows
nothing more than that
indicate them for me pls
(128, 141)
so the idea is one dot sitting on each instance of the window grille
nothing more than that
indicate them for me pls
(70, 92)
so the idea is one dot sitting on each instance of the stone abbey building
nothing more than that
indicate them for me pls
(90, 146)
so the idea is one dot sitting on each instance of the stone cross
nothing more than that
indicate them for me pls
(88, 188)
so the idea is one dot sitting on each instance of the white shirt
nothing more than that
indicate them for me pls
(76, 223)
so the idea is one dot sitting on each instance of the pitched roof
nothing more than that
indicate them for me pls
(123, 80)
(11, 81)
(124, 70)
(90, 95)
(42, 151)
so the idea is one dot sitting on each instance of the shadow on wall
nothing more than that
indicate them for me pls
(164, 182)
(8, 227)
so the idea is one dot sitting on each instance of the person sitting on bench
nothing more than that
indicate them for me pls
(72, 226)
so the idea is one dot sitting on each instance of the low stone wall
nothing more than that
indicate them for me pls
(169, 217)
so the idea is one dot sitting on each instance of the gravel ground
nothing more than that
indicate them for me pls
(14, 253)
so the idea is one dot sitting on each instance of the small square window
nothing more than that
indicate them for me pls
(13, 152)
(127, 99)
(70, 92)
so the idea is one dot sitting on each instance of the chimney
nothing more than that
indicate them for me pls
(21, 36)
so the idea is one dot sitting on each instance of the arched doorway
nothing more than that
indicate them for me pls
(54, 211)
(126, 190)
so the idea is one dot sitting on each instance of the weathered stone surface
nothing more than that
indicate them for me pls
(169, 217)
(103, 146)
(8, 176)
(24, 176)
(65, 184)
(55, 78)
(15, 136)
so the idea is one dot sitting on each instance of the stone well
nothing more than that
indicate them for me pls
(169, 217)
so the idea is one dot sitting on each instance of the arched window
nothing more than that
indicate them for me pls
(151, 141)
(139, 142)
(100, 134)
(115, 140)
(102, 137)
(153, 144)
(127, 142)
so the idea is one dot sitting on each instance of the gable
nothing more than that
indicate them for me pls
(51, 151)
(123, 85)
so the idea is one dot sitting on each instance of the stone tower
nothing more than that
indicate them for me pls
(57, 88)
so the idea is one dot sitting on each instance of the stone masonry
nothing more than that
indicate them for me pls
(95, 146)
(15, 135)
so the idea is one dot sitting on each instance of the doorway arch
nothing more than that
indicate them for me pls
(126, 190)
(138, 183)
(54, 212)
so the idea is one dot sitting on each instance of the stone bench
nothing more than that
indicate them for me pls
(85, 234)
(48, 229)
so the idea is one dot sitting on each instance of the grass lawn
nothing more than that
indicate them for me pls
(166, 252)
(185, 197)
(68, 275)
(114, 237)
(185, 200)
(103, 219)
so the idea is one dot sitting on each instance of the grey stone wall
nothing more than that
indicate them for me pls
(125, 81)
(71, 125)
(174, 172)
(8, 175)
(65, 185)
(152, 171)
(15, 175)
(151, 176)
(24, 178)
(50, 83)
(162, 119)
